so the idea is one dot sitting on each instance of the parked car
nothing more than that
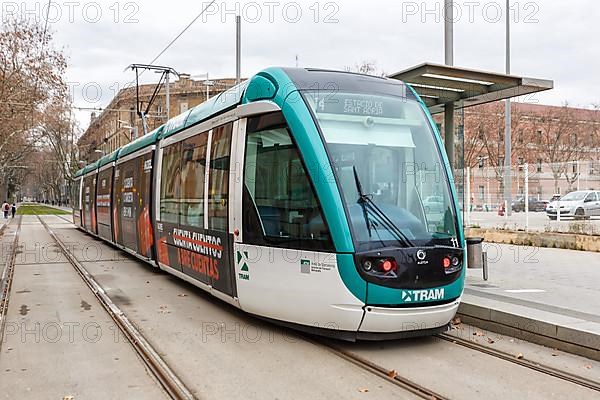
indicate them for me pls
(434, 204)
(579, 205)
(518, 204)
(555, 197)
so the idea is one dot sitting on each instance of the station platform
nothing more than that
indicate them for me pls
(546, 296)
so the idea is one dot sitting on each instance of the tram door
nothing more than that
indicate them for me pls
(286, 267)
(76, 201)
(131, 203)
(89, 202)
(193, 233)
(103, 203)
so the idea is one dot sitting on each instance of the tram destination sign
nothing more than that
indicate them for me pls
(358, 104)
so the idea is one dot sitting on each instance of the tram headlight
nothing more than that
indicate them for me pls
(451, 264)
(387, 265)
(380, 266)
(446, 262)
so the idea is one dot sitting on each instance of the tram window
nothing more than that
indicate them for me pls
(279, 204)
(170, 183)
(75, 199)
(193, 169)
(218, 183)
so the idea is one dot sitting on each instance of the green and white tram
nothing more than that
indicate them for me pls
(318, 199)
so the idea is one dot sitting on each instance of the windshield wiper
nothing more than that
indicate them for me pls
(362, 200)
(365, 200)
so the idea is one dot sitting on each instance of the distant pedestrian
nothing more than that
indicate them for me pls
(5, 209)
(13, 210)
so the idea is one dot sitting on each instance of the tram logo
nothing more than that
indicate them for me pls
(422, 295)
(242, 260)
(305, 266)
(422, 258)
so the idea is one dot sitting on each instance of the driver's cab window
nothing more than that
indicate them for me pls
(280, 207)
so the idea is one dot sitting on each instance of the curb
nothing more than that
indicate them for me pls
(568, 241)
(564, 337)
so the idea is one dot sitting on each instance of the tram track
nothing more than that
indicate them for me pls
(374, 369)
(7, 278)
(158, 367)
(426, 393)
(63, 218)
(524, 362)
(389, 375)
(386, 374)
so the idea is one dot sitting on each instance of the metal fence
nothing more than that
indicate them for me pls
(484, 202)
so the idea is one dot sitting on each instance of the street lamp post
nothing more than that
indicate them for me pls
(208, 84)
(132, 129)
(578, 173)
(507, 138)
(481, 159)
(449, 60)
(238, 49)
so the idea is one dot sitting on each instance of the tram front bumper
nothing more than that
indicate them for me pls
(392, 320)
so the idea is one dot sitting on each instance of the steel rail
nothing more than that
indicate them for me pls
(167, 378)
(391, 376)
(7, 278)
(524, 362)
(61, 217)
(159, 367)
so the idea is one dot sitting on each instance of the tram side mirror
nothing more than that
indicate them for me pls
(260, 88)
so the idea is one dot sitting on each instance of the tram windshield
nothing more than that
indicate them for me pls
(389, 168)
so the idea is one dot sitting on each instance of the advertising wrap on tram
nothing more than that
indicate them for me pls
(131, 205)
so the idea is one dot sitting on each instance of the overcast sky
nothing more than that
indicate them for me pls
(552, 39)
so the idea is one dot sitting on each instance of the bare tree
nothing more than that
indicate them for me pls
(367, 67)
(59, 130)
(31, 80)
(485, 134)
(474, 129)
(559, 144)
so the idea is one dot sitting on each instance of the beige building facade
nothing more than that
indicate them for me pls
(119, 123)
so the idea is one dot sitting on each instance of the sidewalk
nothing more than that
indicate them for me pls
(4, 222)
(58, 341)
(547, 296)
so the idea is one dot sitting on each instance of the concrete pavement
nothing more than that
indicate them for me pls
(222, 353)
(549, 296)
(217, 350)
(58, 340)
(202, 337)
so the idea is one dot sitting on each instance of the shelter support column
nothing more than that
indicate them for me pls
(449, 132)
